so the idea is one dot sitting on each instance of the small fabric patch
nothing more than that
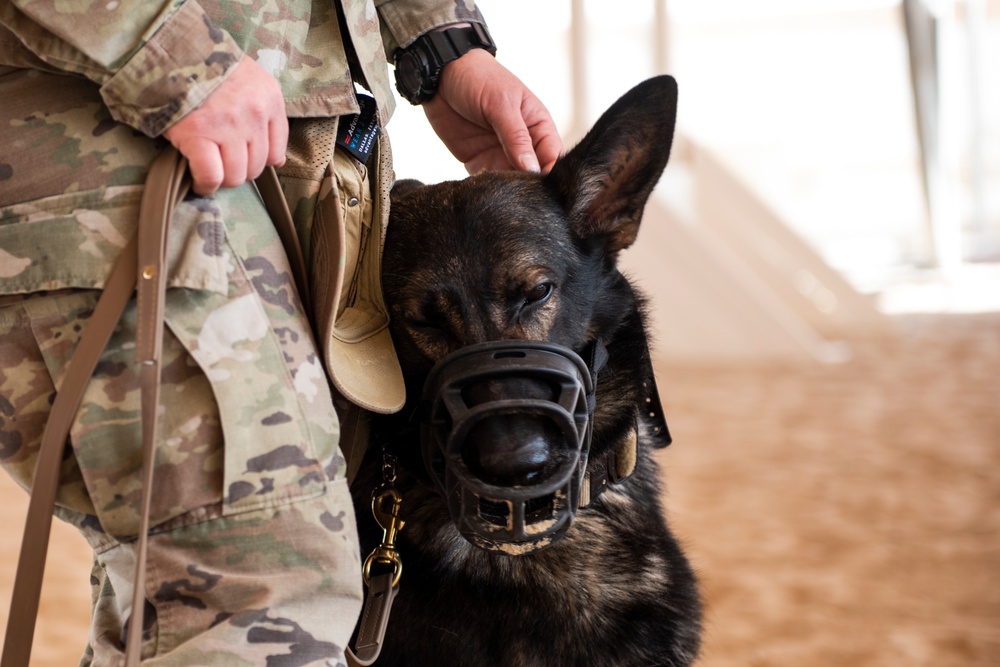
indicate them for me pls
(357, 133)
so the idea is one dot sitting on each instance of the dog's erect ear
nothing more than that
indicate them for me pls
(606, 179)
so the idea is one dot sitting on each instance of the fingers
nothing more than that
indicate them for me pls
(528, 135)
(516, 140)
(489, 119)
(527, 162)
(205, 163)
(548, 144)
(277, 134)
(234, 162)
(215, 166)
(544, 137)
(236, 132)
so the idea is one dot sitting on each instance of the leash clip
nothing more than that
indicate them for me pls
(386, 501)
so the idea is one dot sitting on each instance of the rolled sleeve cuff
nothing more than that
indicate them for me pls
(173, 72)
(404, 22)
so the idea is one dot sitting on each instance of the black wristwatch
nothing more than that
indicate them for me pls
(418, 66)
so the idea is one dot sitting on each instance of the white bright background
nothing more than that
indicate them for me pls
(808, 101)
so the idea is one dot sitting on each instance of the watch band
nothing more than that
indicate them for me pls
(453, 43)
(419, 66)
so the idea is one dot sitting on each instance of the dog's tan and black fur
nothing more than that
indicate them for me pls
(525, 256)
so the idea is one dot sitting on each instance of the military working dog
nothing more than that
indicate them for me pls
(533, 531)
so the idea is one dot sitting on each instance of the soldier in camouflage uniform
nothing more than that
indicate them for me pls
(253, 555)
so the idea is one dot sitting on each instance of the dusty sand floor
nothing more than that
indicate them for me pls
(844, 515)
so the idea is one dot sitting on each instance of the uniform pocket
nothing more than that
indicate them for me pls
(71, 241)
(269, 456)
(106, 434)
(226, 379)
(255, 347)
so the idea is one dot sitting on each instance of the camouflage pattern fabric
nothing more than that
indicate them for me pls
(157, 61)
(254, 525)
(277, 586)
(253, 556)
(405, 20)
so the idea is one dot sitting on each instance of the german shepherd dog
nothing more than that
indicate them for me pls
(502, 570)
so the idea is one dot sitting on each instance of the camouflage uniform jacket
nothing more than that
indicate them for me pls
(253, 558)
(156, 61)
(70, 176)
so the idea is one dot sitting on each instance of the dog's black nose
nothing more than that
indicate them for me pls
(512, 450)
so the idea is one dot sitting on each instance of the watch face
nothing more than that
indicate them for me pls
(411, 77)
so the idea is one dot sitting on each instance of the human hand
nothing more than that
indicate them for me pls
(489, 119)
(238, 130)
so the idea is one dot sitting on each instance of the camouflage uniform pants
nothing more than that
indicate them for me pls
(253, 558)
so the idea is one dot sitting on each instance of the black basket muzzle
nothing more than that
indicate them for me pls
(478, 386)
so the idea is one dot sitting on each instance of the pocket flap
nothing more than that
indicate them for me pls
(71, 241)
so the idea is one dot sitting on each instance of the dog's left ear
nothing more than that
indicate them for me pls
(606, 179)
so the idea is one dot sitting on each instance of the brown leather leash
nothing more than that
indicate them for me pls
(140, 267)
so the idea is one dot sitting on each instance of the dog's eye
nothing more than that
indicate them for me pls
(538, 294)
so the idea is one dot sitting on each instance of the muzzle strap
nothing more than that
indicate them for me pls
(598, 358)
(619, 462)
(653, 407)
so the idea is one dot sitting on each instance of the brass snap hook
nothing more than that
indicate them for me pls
(386, 501)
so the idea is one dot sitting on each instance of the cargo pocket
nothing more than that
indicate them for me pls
(106, 435)
(269, 457)
(255, 348)
(224, 376)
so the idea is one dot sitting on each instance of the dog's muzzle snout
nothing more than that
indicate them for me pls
(506, 435)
